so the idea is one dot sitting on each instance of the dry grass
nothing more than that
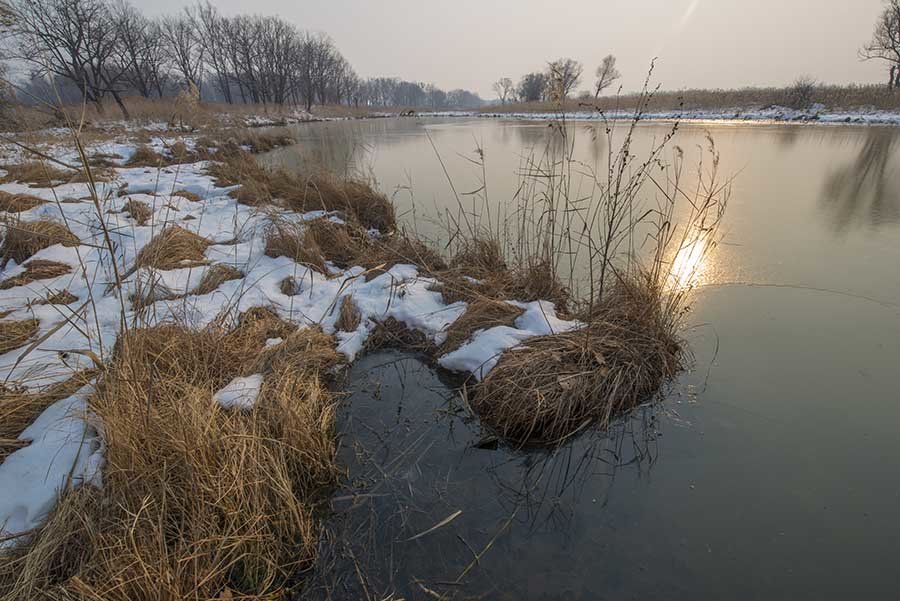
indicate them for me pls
(481, 314)
(338, 243)
(59, 297)
(215, 276)
(16, 334)
(557, 385)
(24, 238)
(16, 203)
(391, 333)
(288, 239)
(139, 211)
(36, 269)
(144, 156)
(37, 174)
(349, 317)
(19, 408)
(172, 248)
(482, 259)
(191, 196)
(357, 201)
(198, 502)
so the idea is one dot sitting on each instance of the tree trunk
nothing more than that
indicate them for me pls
(122, 106)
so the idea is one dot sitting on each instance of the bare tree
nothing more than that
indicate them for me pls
(212, 30)
(564, 74)
(885, 42)
(73, 39)
(139, 54)
(184, 48)
(606, 74)
(504, 88)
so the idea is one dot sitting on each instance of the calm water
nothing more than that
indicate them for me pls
(771, 471)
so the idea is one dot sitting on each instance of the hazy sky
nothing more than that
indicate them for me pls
(700, 43)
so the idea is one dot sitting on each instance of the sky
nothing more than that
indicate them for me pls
(699, 43)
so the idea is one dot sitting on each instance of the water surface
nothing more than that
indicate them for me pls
(770, 471)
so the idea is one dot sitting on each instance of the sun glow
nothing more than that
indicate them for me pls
(690, 264)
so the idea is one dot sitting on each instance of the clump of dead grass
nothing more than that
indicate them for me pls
(289, 239)
(24, 238)
(36, 269)
(356, 200)
(348, 315)
(16, 203)
(391, 333)
(215, 276)
(187, 195)
(18, 408)
(37, 174)
(172, 248)
(555, 386)
(16, 334)
(144, 156)
(139, 211)
(198, 502)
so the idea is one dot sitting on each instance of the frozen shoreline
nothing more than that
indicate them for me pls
(816, 115)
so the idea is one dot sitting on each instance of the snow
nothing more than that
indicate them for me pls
(483, 351)
(64, 442)
(65, 451)
(240, 392)
(816, 114)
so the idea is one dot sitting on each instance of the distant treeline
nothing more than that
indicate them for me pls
(97, 49)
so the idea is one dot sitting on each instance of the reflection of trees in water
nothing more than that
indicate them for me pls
(865, 191)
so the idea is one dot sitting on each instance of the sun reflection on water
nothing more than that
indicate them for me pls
(690, 266)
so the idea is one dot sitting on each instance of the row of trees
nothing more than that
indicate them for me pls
(557, 81)
(107, 48)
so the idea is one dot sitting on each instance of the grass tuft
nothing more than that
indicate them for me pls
(36, 269)
(16, 203)
(24, 238)
(16, 334)
(215, 276)
(172, 248)
(139, 211)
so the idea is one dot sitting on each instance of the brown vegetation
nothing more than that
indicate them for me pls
(16, 334)
(557, 385)
(37, 174)
(172, 248)
(24, 238)
(19, 408)
(198, 502)
(357, 201)
(349, 317)
(481, 314)
(139, 211)
(215, 276)
(16, 203)
(36, 269)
